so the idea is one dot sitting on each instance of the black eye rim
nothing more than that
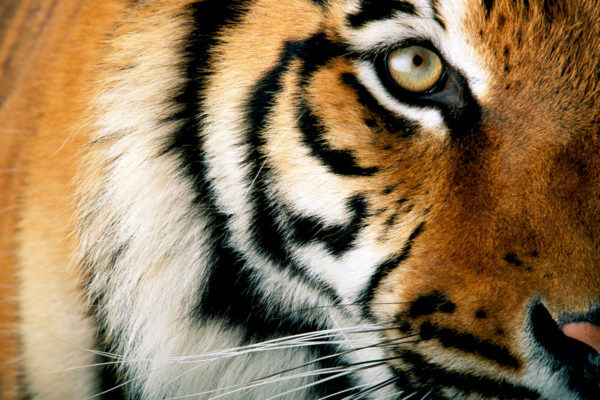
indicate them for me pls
(451, 94)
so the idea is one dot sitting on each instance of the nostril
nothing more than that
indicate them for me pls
(584, 332)
(573, 349)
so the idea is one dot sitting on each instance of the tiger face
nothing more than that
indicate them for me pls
(347, 199)
(428, 167)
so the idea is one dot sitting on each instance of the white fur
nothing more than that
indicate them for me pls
(430, 118)
(454, 44)
(350, 273)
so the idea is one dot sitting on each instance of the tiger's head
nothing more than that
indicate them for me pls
(422, 173)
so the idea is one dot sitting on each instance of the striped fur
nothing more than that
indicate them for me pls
(232, 199)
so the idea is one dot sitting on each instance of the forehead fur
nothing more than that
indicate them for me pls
(547, 41)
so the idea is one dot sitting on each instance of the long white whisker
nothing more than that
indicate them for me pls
(409, 396)
(315, 338)
(100, 364)
(269, 349)
(345, 352)
(343, 391)
(372, 388)
(318, 382)
(299, 340)
(393, 395)
(291, 340)
(255, 383)
(124, 383)
(339, 371)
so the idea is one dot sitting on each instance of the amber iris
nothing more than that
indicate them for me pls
(415, 68)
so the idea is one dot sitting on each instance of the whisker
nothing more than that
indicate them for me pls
(227, 354)
(393, 395)
(409, 396)
(372, 388)
(315, 338)
(356, 304)
(278, 374)
(100, 364)
(318, 382)
(120, 385)
(378, 344)
(277, 343)
(344, 391)
(288, 342)
(337, 371)
(302, 340)
(254, 384)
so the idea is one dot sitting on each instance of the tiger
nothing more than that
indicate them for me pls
(300, 199)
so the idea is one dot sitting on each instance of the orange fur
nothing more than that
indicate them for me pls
(47, 52)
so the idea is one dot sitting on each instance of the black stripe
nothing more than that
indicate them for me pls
(318, 51)
(337, 238)
(229, 291)
(210, 17)
(109, 376)
(262, 101)
(427, 375)
(375, 10)
(386, 267)
(488, 4)
(24, 391)
(314, 133)
(469, 344)
(388, 190)
(314, 52)
(429, 304)
(436, 14)
(391, 220)
(393, 124)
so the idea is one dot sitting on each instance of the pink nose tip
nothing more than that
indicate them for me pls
(584, 332)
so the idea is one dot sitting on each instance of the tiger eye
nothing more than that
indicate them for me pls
(415, 68)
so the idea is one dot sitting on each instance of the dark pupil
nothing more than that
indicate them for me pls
(418, 60)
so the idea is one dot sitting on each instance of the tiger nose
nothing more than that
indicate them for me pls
(584, 332)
